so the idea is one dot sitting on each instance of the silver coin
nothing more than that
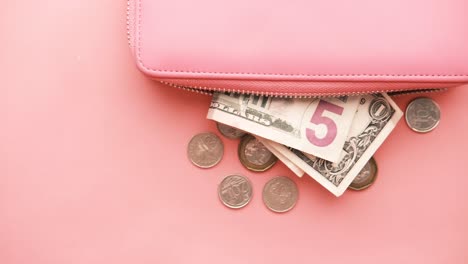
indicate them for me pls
(235, 191)
(422, 115)
(229, 131)
(254, 155)
(280, 194)
(366, 176)
(205, 150)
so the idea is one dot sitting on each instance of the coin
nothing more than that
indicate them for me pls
(422, 115)
(229, 131)
(235, 191)
(366, 176)
(280, 194)
(205, 150)
(254, 155)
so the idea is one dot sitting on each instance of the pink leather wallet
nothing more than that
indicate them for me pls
(301, 47)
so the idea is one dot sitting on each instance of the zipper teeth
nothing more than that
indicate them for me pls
(129, 37)
(190, 89)
(211, 90)
(417, 91)
(128, 22)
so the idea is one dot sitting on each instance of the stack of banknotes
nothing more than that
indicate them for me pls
(329, 139)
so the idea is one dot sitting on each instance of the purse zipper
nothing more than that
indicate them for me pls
(210, 90)
(417, 91)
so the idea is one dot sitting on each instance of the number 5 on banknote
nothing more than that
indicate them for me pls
(318, 118)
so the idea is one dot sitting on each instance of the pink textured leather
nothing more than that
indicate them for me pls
(303, 41)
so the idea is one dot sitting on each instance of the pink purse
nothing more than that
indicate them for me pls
(301, 47)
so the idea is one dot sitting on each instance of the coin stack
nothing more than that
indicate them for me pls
(280, 194)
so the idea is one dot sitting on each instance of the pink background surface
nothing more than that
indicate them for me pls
(93, 165)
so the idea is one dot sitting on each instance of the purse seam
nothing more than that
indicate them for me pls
(276, 74)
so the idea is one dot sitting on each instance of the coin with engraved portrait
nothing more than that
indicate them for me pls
(205, 150)
(366, 176)
(229, 131)
(235, 191)
(280, 194)
(254, 155)
(422, 115)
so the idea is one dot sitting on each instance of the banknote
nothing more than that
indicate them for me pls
(376, 117)
(293, 167)
(318, 126)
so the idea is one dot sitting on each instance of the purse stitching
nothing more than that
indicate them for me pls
(278, 74)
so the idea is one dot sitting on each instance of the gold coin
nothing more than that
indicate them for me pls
(254, 155)
(366, 177)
